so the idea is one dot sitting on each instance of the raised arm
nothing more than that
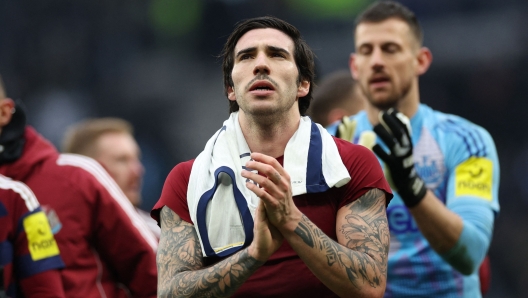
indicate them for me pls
(355, 265)
(181, 271)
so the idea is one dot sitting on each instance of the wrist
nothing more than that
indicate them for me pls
(255, 253)
(293, 219)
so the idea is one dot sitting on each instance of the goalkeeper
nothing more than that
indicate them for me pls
(443, 168)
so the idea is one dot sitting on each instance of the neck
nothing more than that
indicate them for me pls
(407, 105)
(268, 136)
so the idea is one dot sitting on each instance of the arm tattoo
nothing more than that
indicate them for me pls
(367, 240)
(180, 263)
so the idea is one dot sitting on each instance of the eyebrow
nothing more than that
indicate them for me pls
(277, 49)
(269, 48)
(245, 51)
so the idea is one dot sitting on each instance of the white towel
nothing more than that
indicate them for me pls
(222, 207)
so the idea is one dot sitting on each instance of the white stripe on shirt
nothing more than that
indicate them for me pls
(23, 190)
(94, 168)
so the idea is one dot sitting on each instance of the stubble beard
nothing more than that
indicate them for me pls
(268, 115)
(391, 101)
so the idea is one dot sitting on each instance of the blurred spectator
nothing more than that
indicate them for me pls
(29, 255)
(105, 245)
(335, 97)
(110, 141)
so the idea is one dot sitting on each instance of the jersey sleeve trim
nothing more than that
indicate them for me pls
(22, 190)
(472, 139)
(27, 267)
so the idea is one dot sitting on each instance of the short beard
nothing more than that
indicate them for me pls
(391, 102)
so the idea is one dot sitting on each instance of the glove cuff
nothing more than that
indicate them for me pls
(414, 192)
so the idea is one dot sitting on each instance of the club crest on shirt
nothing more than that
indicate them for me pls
(53, 219)
(429, 160)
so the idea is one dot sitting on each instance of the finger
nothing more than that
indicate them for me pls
(264, 196)
(265, 183)
(367, 139)
(267, 160)
(393, 124)
(346, 129)
(261, 211)
(273, 172)
(384, 135)
(381, 153)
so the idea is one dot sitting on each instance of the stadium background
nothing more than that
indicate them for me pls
(155, 64)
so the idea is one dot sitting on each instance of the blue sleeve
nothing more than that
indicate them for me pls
(472, 192)
(473, 244)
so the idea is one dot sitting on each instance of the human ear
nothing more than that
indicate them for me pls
(303, 89)
(353, 66)
(7, 108)
(424, 60)
(231, 93)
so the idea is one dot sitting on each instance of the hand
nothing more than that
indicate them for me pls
(347, 129)
(267, 239)
(274, 191)
(395, 134)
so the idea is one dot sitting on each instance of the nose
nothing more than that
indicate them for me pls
(377, 61)
(137, 168)
(261, 64)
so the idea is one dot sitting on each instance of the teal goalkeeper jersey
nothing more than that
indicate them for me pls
(458, 161)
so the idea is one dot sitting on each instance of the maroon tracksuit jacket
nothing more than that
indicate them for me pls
(107, 249)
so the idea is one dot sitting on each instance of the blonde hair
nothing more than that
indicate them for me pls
(81, 138)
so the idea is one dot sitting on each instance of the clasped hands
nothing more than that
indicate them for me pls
(276, 214)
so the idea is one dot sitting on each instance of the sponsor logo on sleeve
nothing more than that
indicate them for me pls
(41, 243)
(474, 178)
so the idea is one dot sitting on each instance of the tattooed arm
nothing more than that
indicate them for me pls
(356, 266)
(181, 271)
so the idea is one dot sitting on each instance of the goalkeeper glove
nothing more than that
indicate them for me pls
(347, 128)
(394, 131)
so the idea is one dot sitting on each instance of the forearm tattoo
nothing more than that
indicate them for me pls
(367, 240)
(180, 264)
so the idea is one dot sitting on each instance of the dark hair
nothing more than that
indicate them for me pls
(383, 10)
(335, 91)
(303, 55)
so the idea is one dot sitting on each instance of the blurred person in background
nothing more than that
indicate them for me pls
(29, 256)
(106, 247)
(253, 215)
(335, 97)
(110, 141)
(444, 169)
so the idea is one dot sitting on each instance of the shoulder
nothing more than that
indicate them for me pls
(463, 135)
(181, 172)
(352, 153)
(17, 193)
(82, 167)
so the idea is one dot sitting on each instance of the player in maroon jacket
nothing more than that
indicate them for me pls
(107, 249)
(29, 256)
(309, 239)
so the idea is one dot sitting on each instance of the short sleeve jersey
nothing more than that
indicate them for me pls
(458, 161)
(285, 274)
(27, 245)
